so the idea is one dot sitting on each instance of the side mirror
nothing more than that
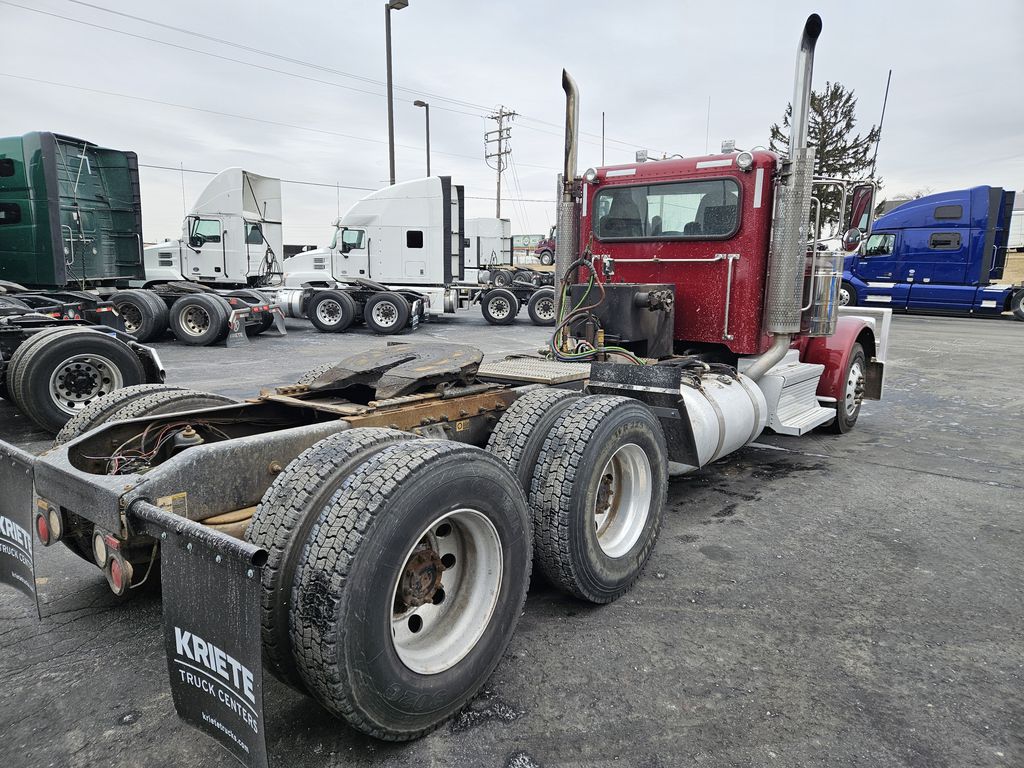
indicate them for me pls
(861, 204)
(852, 239)
(196, 241)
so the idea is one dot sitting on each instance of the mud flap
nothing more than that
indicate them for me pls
(658, 387)
(237, 336)
(279, 327)
(16, 511)
(211, 609)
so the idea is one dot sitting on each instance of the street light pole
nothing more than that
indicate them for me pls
(426, 106)
(389, 6)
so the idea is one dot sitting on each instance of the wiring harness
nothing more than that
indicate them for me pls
(562, 346)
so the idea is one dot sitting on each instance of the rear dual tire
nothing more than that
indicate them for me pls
(595, 469)
(398, 570)
(499, 306)
(332, 311)
(200, 319)
(143, 313)
(61, 371)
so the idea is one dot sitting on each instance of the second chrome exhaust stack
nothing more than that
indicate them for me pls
(568, 219)
(786, 261)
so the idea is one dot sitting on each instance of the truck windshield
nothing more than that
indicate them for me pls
(690, 210)
(879, 245)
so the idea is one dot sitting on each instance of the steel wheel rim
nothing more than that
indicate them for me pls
(844, 297)
(194, 320)
(854, 388)
(499, 308)
(459, 597)
(385, 314)
(623, 501)
(80, 379)
(329, 312)
(545, 308)
(131, 316)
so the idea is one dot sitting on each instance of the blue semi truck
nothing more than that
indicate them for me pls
(940, 254)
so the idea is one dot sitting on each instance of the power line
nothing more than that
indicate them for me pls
(328, 184)
(228, 114)
(280, 57)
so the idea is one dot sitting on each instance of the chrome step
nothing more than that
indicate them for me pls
(790, 388)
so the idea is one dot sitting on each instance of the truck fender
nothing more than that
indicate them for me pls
(834, 353)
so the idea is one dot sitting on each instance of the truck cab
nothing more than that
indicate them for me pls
(944, 253)
(406, 236)
(231, 237)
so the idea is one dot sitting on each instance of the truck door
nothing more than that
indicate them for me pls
(937, 261)
(881, 268)
(351, 254)
(204, 257)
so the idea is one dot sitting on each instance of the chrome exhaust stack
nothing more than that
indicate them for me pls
(786, 261)
(568, 219)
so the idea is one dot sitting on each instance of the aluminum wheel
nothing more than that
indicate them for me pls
(854, 388)
(329, 312)
(131, 316)
(623, 500)
(80, 379)
(844, 297)
(499, 307)
(545, 308)
(195, 320)
(446, 592)
(385, 314)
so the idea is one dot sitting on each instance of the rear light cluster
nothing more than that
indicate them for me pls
(49, 523)
(106, 551)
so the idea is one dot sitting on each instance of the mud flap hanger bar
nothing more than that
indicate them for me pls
(211, 586)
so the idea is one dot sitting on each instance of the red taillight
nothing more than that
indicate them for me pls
(119, 574)
(43, 529)
(116, 575)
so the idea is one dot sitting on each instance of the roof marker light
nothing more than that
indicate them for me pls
(745, 161)
(590, 176)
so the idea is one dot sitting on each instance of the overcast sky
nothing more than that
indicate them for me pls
(955, 116)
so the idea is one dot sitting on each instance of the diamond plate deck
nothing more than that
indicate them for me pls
(533, 370)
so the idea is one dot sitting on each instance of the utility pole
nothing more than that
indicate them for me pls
(501, 137)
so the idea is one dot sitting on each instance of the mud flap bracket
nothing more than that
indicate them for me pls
(658, 387)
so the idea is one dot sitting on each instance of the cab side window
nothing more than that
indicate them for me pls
(351, 239)
(880, 245)
(207, 229)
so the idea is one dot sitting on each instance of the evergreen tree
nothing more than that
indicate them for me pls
(839, 153)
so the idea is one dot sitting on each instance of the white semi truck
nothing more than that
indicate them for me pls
(206, 284)
(404, 253)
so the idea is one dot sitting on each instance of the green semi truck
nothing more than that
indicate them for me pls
(70, 213)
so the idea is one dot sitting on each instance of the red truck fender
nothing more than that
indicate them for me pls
(834, 353)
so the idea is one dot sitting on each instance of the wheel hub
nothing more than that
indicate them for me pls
(81, 379)
(131, 316)
(385, 313)
(421, 578)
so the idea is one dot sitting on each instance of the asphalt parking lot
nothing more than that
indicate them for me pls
(839, 601)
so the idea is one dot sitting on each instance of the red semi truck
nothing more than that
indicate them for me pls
(366, 535)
